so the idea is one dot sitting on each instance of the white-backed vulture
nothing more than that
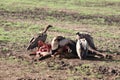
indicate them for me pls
(86, 41)
(61, 45)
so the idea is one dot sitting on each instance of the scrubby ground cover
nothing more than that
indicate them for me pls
(21, 19)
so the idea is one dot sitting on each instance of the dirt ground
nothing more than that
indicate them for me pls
(15, 63)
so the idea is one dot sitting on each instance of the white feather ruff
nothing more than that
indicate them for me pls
(83, 43)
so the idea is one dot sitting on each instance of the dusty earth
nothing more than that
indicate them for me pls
(15, 63)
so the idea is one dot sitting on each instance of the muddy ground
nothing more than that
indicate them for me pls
(15, 63)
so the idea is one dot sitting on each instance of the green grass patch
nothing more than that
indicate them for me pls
(17, 32)
(105, 7)
(82, 8)
(22, 31)
(62, 30)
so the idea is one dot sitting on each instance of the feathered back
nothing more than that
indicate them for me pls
(89, 39)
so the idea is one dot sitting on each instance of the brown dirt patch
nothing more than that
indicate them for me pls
(42, 14)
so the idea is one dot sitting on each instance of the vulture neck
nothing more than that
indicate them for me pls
(45, 30)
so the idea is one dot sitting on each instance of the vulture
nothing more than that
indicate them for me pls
(41, 36)
(61, 44)
(85, 46)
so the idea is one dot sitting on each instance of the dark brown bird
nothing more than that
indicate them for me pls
(41, 36)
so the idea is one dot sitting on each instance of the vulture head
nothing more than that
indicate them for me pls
(41, 36)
